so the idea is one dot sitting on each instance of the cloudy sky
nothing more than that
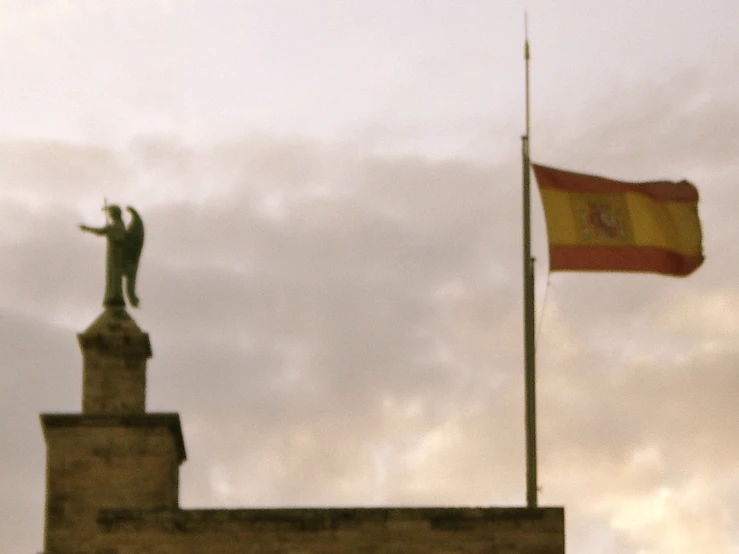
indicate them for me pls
(332, 271)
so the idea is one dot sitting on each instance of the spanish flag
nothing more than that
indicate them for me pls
(598, 224)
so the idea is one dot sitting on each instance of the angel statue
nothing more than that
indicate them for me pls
(124, 251)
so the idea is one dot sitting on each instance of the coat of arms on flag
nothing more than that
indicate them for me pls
(602, 219)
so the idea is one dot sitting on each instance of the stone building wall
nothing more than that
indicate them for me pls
(334, 531)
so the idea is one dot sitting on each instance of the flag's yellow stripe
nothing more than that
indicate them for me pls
(671, 225)
(561, 220)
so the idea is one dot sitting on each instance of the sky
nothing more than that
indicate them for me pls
(331, 278)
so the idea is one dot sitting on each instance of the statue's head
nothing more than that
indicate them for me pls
(114, 211)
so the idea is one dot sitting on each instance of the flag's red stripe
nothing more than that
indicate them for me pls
(567, 181)
(621, 258)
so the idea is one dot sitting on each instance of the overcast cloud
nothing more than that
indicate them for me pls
(332, 276)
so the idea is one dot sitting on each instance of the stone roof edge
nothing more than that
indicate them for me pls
(148, 419)
(388, 513)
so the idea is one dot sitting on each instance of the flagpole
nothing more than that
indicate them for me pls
(528, 305)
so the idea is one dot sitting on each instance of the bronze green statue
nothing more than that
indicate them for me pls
(124, 252)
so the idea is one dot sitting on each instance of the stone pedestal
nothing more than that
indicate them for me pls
(114, 354)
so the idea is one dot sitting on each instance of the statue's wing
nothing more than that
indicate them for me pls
(132, 244)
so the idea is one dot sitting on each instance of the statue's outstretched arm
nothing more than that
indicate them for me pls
(96, 230)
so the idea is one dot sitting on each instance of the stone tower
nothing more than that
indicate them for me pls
(113, 454)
